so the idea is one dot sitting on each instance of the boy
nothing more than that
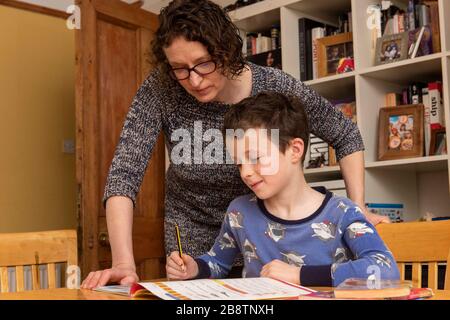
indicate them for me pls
(289, 231)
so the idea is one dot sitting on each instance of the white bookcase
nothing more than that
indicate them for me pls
(421, 184)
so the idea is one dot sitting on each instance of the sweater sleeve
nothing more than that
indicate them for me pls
(325, 121)
(218, 261)
(139, 133)
(371, 258)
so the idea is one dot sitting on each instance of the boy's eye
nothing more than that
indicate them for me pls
(254, 160)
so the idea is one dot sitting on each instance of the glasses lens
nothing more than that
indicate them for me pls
(205, 67)
(179, 74)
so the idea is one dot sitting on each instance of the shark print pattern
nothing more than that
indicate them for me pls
(324, 230)
(343, 206)
(382, 260)
(358, 229)
(275, 231)
(236, 220)
(340, 256)
(227, 242)
(214, 267)
(293, 258)
(249, 251)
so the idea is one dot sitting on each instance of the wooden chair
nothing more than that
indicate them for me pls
(419, 243)
(34, 249)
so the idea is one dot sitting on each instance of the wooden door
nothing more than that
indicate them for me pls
(111, 55)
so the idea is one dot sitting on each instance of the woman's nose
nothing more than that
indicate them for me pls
(195, 79)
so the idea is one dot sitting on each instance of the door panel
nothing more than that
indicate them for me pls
(112, 54)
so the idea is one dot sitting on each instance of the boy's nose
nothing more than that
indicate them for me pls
(246, 170)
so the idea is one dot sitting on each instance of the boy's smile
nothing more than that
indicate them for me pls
(263, 168)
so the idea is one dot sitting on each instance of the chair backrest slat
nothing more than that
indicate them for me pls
(417, 274)
(432, 275)
(51, 275)
(419, 243)
(35, 277)
(4, 279)
(401, 267)
(34, 249)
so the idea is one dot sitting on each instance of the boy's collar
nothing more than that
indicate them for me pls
(322, 190)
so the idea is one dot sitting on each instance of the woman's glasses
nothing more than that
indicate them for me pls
(201, 69)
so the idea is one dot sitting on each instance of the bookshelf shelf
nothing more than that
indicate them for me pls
(426, 68)
(333, 78)
(334, 87)
(258, 9)
(420, 164)
(322, 9)
(421, 184)
(321, 174)
(258, 16)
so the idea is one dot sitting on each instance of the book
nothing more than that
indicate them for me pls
(392, 99)
(436, 110)
(434, 24)
(414, 294)
(316, 33)
(418, 41)
(305, 26)
(365, 288)
(213, 289)
(426, 120)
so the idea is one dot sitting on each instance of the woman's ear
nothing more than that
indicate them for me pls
(297, 147)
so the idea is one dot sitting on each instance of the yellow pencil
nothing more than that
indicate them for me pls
(177, 231)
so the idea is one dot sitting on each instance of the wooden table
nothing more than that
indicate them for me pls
(73, 294)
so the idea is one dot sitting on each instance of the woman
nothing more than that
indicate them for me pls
(200, 72)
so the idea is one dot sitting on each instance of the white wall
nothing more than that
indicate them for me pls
(433, 191)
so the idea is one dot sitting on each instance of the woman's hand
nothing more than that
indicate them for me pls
(375, 218)
(122, 274)
(280, 270)
(178, 268)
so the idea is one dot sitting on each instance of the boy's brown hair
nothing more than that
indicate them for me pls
(271, 110)
(202, 21)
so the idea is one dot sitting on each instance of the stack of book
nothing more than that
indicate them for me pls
(367, 289)
(413, 16)
(256, 43)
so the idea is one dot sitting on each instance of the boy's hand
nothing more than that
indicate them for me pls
(181, 268)
(280, 270)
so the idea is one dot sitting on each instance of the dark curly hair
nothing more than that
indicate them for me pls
(271, 110)
(202, 21)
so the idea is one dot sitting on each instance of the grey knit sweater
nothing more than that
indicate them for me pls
(197, 195)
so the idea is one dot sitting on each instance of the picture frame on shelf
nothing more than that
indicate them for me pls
(392, 48)
(438, 142)
(335, 54)
(267, 59)
(401, 132)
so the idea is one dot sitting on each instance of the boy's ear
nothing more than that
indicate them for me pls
(297, 149)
